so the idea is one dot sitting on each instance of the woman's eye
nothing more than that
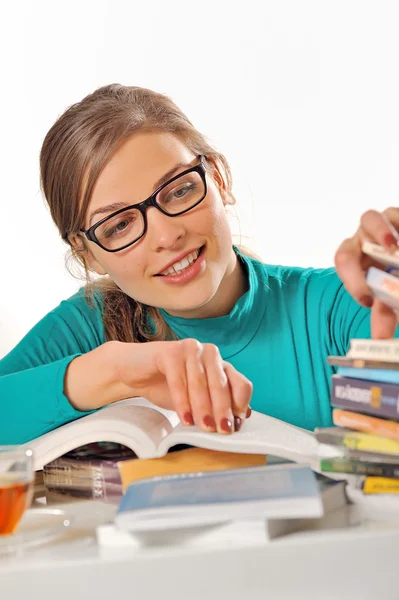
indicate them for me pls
(121, 226)
(118, 228)
(180, 193)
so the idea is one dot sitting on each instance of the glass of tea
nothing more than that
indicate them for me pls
(16, 485)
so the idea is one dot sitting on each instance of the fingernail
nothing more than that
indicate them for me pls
(391, 241)
(226, 425)
(209, 422)
(188, 418)
(237, 423)
(249, 412)
(367, 301)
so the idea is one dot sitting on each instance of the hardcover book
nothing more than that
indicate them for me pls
(382, 350)
(362, 364)
(383, 375)
(359, 467)
(91, 471)
(380, 485)
(175, 501)
(356, 440)
(381, 399)
(366, 423)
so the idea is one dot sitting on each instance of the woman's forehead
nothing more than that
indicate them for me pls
(132, 174)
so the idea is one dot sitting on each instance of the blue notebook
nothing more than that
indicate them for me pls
(280, 491)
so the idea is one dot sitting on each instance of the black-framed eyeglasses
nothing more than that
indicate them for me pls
(127, 225)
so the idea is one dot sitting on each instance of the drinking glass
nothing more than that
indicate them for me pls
(16, 485)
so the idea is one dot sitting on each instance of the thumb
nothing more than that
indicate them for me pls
(383, 321)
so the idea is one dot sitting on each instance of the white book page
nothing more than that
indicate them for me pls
(260, 434)
(135, 423)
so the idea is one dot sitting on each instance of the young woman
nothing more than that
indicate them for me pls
(178, 314)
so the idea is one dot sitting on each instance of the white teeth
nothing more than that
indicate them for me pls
(182, 264)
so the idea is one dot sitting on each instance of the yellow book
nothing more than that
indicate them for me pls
(369, 442)
(381, 485)
(357, 440)
(191, 460)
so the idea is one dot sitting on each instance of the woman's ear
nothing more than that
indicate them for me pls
(82, 253)
(220, 181)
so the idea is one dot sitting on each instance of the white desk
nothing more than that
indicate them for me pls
(353, 558)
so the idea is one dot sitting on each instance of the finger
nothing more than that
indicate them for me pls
(391, 218)
(384, 321)
(198, 387)
(378, 227)
(348, 263)
(219, 389)
(241, 391)
(171, 363)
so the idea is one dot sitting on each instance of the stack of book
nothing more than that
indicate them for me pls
(365, 397)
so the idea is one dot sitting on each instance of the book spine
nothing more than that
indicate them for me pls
(374, 349)
(365, 442)
(382, 375)
(356, 467)
(362, 363)
(359, 422)
(381, 399)
(380, 485)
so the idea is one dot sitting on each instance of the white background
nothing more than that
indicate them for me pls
(301, 96)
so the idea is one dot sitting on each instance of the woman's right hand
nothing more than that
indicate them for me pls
(188, 377)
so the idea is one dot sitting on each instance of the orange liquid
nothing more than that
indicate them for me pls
(14, 499)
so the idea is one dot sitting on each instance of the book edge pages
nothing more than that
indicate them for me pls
(379, 254)
(103, 425)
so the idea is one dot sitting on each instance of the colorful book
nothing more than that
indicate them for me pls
(380, 485)
(176, 501)
(362, 363)
(381, 399)
(356, 440)
(90, 471)
(383, 375)
(363, 456)
(383, 350)
(384, 286)
(358, 467)
(366, 423)
(189, 460)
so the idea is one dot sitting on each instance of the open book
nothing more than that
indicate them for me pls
(150, 432)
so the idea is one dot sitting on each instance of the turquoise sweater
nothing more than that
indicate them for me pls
(278, 334)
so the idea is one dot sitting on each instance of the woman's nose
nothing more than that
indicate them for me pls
(163, 231)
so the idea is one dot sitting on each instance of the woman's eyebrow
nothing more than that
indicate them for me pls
(114, 206)
(169, 174)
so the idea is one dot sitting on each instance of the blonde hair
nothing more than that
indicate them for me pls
(73, 154)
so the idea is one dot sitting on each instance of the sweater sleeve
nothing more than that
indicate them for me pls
(345, 317)
(32, 399)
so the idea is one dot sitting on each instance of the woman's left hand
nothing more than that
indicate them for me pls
(351, 264)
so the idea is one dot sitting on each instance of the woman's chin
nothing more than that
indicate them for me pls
(189, 305)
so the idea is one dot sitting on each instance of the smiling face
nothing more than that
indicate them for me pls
(207, 279)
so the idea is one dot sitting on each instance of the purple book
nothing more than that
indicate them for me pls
(90, 471)
(369, 397)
